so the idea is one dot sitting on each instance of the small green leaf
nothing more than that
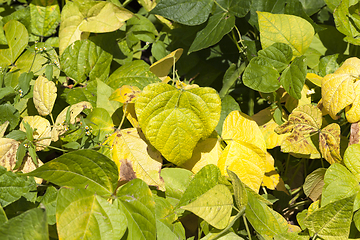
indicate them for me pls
(136, 201)
(214, 206)
(101, 122)
(83, 59)
(188, 12)
(90, 215)
(45, 17)
(238, 8)
(9, 113)
(278, 54)
(218, 26)
(142, 28)
(260, 75)
(87, 93)
(333, 220)
(24, 81)
(228, 104)
(20, 154)
(49, 202)
(31, 224)
(81, 169)
(293, 77)
(6, 92)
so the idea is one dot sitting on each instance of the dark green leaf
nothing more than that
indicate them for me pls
(228, 104)
(9, 113)
(312, 6)
(293, 77)
(17, 135)
(236, 7)
(24, 81)
(278, 54)
(20, 154)
(49, 202)
(6, 92)
(72, 145)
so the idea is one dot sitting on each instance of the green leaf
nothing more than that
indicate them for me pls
(214, 206)
(176, 181)
(84, 59)
(103, 93)
(260, 75)
(174, 120)
(29, 225)
(314, 183)
(101, 122)
(278, 54)
(333, 220)
(3, 217)
(218, 26)
(24, 82)
(81, 169)
(188, 12)
(240, 193)
(231, 75)
(142, 28)
(136, 201)
(9, 113)
(45, 17)
(6, 92)
(90, 216)
(228, 104)
(13, 186)
(351, 159)
(293, 77)
(264, 220)
(136, 73)
(238, 8)
(313, 6)
(87, 93)
(49, 202)
(17, 39)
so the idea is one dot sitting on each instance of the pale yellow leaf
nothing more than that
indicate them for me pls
(162, 67)
(271, 178)
(125, 94)
(272, 139)
(3, 128)
(128, 146)
(247, 161)
(44, 95)
(206, 152)
(42, 130)
(353, 111)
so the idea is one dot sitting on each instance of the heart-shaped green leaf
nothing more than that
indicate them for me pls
(45, 17)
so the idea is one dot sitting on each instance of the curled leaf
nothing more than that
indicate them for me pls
(44, 95)
(42, 130)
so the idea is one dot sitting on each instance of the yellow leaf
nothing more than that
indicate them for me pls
(206, 152)
(240, 127)
(315, 79)
(162, 67)
(135, 157)
(3, 128)
(271, 178)
(42, 130)
(353, 111)
(329, 143)
(289, 29)
(130, 114)
(337, 89)
(185, 86)
(125, 94)
(60, 125)
(44, 95)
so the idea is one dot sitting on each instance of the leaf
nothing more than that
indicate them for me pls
(83, 59)
(162, 67)
(314, 183)
(330, 143)
(216, 28)
(101, 122)
(271, 177)
(351, 161)
(17, 39)
(13, 186)
(278, 54)
(42, 130)
(132, 153)
(45, 17)
(228, 104)
(3, 217)
(125, 94)
(135, 73)
(90, 215)
(354, 134)
(103, 101)
(206, 152)
(315, 79)
(10, 114)
(292, 30)
(240, 193)
(136, 201)
(238, 8)
(352, 111)
(333, 220)
(264, 220)
(44, 95)
(31, 224)
(3, 128)
(174, 120)
(293, 77)
(81, 169)
(337, 89)
(184, 11)
(260, 75)
(48, 200)
(214, 206)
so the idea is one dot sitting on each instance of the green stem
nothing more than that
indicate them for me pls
(220, 6)
(251, 103)
(246, 226)
(126, 3)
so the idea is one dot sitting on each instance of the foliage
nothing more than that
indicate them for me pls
(178, 119)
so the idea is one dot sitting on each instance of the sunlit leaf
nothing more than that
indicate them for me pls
(44, 95)
(314, 183)
(125, 94)
(42, 130)
(162, 67)
(279, 54)
(351, 159)
(240, 193)
(352, 111)
(271, 177)
(315, 79)
(17, 38)
(102, 98)
(100, 120)
(45, 17)
(135, 158)
(293, 77)
(3, 128)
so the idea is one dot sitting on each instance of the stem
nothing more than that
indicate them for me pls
(246, 226)
(123, 117)
(32, 62)
(251, 103)
(126, 2)
(220, 6)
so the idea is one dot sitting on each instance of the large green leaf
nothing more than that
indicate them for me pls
(45, 17)
(214, 206)
(174, 120)
(260, 75)
(293, 77)
(351, 159)
(333, 220)
(29, 225)
(84, 59)
(81, 169)
(238, 8)
(278, 54)
(81, 214)
(188, 12)
(13, 186)
(136, 201)
(3, 217)
(218, 26)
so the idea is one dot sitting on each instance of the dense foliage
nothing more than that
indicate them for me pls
(179, 119)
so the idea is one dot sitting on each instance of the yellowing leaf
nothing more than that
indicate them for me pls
(125, 94)
(337, 89)
(289, 29)
(353, 111)
(3, 128)
(44, 95)
(271, 178)
(330, 143)
(162, 67)
(60, 123)
(135, 158)
(315, 79)
(206, 152)
(130, 114)
(272, 139)
(42, 130)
